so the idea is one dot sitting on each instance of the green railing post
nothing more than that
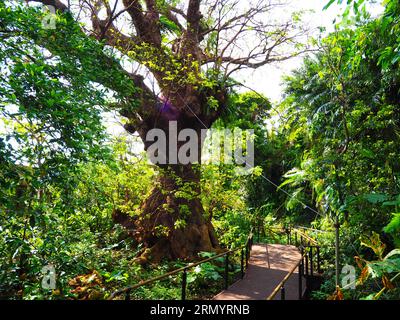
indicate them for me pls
(318, 261)
(306, 264)
(226, 271)
(337, 248)
(247, 256)
(184, 280)
(311, 261)
(283, 293)
(128, 295)
(242, 262)
(301, 280)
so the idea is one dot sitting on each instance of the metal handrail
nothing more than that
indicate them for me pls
(272, 231)
(295, 229)
(286, 278)
(281, 286)
(304, 235)
(183, 269)
(314, 230)
(303, 261)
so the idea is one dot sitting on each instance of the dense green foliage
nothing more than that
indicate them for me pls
(334, 153)
(340, 138)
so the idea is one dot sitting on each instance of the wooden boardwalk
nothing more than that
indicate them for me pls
(268, 265)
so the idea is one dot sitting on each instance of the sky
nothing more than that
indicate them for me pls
(267, 80)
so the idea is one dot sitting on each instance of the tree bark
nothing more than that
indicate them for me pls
(175, 198)
(172, 223)
(180, 76)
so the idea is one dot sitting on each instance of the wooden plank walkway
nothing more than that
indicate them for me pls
(266, 270)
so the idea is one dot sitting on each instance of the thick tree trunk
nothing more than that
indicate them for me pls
(172, 224)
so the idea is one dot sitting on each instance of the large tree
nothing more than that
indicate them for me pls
(189, 51)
